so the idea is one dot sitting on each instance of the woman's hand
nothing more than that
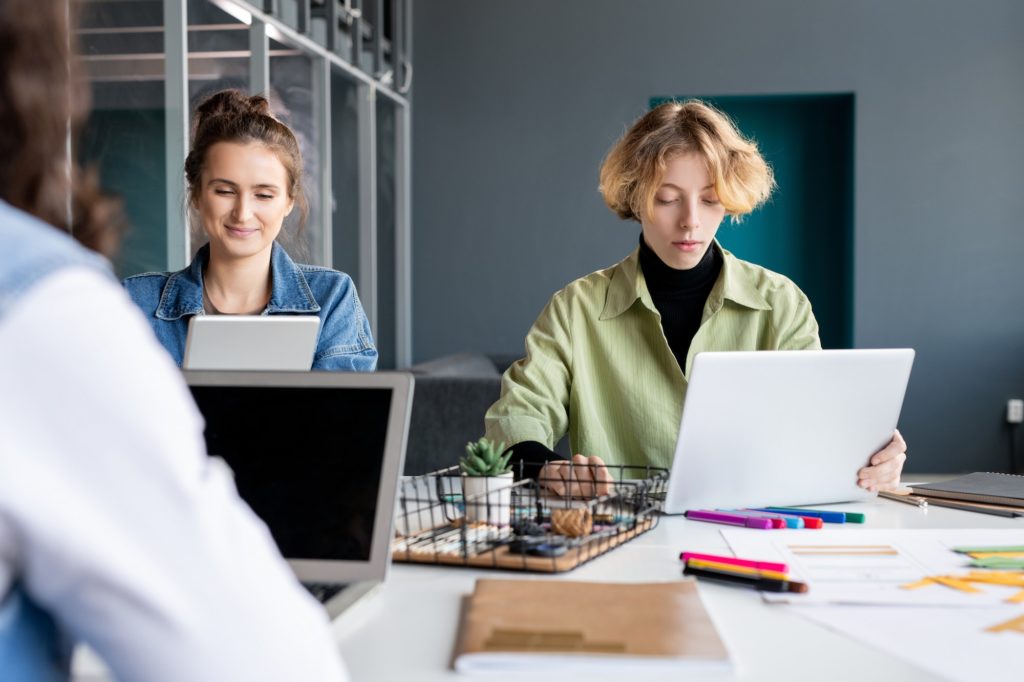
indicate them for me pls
(885, 466)
(582, 477)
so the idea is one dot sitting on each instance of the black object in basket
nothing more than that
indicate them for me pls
(448, 518)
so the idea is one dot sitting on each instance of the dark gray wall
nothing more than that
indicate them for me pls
(517, 102)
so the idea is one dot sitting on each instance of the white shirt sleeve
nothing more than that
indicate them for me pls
(114, 518)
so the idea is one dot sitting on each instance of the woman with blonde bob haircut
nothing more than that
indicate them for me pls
(609, 358)
(631, 173)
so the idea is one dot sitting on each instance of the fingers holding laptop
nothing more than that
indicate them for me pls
(885, 466)
(581, 477)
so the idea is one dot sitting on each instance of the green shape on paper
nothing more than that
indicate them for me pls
(998, 563)
(978, 550)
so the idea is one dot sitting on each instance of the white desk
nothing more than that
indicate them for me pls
(408, 631)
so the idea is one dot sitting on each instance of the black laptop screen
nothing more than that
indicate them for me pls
(307, 460)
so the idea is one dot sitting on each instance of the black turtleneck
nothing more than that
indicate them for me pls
(679, 295)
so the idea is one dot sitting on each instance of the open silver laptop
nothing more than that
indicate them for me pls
(251, 342)
(317, 455)
(784, 428)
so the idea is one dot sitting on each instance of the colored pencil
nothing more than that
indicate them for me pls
(749, 563)
(764, 584)
(739, 570)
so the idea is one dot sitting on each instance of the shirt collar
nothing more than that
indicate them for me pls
(290, 293)
(628, 286)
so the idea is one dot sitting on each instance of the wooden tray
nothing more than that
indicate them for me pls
(501, 558)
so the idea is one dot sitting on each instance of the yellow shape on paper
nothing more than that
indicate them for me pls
(963, 582)
(1014, 625)
(955, 583)
(996, 577)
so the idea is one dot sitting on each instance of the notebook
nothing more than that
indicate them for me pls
(574, 627)
(251, 342)
(784, 428)
(981, 486)
(317, 456)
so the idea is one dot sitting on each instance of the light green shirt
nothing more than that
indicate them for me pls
(598, 365)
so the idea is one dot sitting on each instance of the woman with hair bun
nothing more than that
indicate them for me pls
(608, 359)
(244, 175)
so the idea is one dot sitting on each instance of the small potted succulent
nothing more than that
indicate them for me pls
(487, 482)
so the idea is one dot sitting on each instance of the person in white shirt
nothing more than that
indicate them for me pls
(116, 529)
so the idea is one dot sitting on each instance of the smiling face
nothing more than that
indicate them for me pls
(685, 214)
(243, 199)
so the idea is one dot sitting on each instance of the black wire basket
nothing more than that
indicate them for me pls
(520, 524)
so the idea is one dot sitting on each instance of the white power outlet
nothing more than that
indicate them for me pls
(1014, 411)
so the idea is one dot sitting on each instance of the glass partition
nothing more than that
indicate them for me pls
(345, 174)
(292, 101)
(122, 48)
(386, 244)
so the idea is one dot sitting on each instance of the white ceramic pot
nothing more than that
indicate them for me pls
(488, 498)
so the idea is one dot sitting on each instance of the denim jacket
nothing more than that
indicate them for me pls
(31, 251)
(344, 341)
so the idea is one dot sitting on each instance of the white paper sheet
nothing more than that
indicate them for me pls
(936, 627)
(951, 643)
(866, 566)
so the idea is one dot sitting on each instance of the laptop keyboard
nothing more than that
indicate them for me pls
(323, 591)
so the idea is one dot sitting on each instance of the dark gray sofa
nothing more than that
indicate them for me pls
(452, 395)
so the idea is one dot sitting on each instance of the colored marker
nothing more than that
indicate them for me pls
(765, 584)
(777, 520)
(808, 521)
(762, 565)
(730, 519)
(788, 520)
(826, 516)
(994, 550)
(739, 570)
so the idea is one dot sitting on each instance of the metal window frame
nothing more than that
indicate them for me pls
(322, 121)
(259, 58)
(263, 26)
(176, 129)
(367, 124)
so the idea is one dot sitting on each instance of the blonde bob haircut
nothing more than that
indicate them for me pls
(633, 169)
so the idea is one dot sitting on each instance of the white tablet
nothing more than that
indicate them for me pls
(251, 342)
(784, 428)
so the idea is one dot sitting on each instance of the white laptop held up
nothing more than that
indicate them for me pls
(317, 456)
(251, 342)
(784, 428)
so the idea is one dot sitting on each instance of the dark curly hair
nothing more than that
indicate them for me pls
(43, 96)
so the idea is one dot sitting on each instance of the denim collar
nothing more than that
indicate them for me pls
(629, 286)
(290, 292)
